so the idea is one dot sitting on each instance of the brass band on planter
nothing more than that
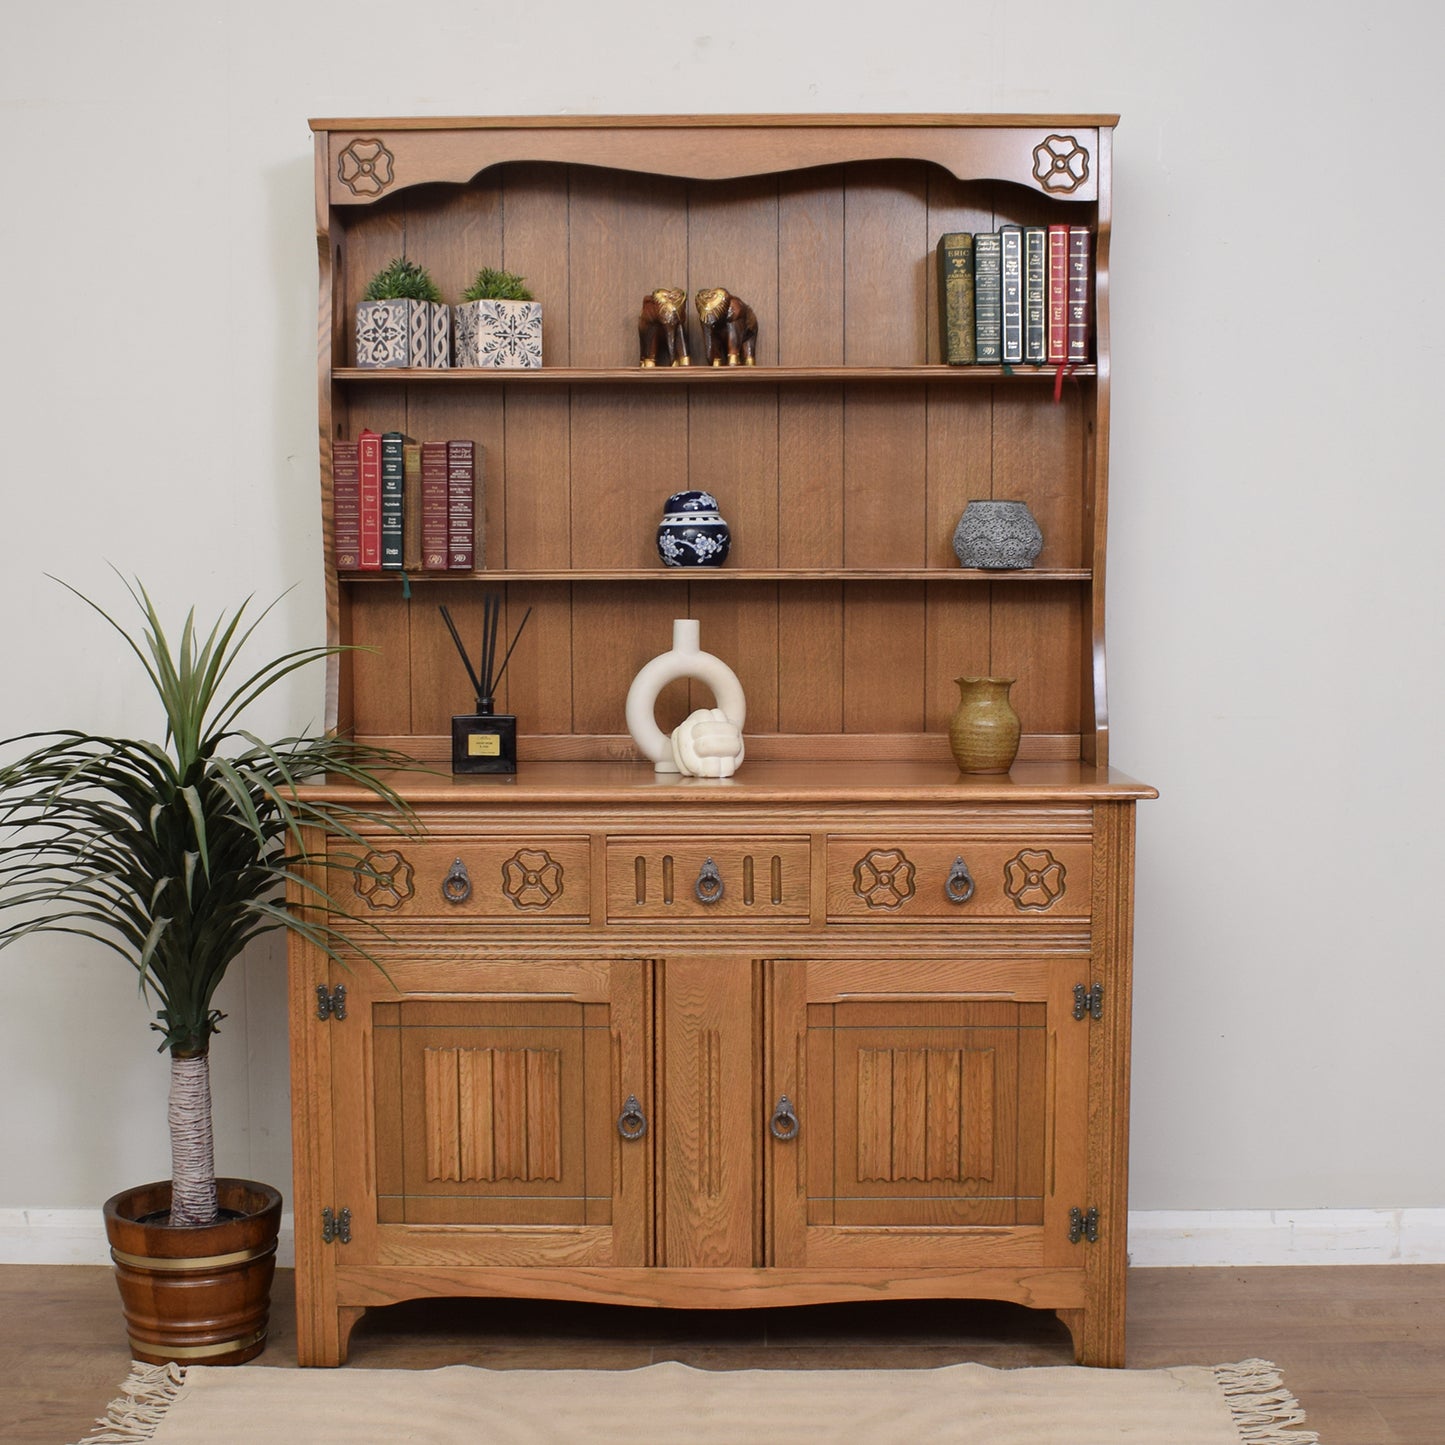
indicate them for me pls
(209, 1261)
(196, 1352)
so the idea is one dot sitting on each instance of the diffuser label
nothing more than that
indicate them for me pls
(484, 745)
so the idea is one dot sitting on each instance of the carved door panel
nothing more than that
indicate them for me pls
(709, 1102)
(941, 1109)
(490, 1128)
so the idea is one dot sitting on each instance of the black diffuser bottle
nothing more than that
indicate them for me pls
(485, 741)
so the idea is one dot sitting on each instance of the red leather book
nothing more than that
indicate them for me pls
(1081, 308)
(345, 507)
(434, 506)
(368, 447)
(1058, 283)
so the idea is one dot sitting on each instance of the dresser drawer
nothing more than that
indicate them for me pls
(728, 878)
(930, 878)
(540, 880)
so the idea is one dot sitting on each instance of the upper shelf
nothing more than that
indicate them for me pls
(702, 375)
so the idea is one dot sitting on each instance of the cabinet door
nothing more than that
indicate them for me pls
(941, 1108)
(483, 1128)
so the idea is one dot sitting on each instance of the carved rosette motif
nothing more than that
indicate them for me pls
(883, 878)
(364, 167)
(532, 878)
(1061, 164)
(387, 880)
(1034, 879)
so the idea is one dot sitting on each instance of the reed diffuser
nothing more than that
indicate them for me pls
(485, 741)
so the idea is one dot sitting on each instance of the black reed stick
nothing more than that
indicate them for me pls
(484, 679)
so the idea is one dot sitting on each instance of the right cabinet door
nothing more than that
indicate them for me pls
(940, 1108)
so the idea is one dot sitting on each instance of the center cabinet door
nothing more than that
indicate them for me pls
(940, 1109)
(488, 1129)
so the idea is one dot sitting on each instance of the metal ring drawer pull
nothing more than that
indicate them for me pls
(958, 886)
(457, 885)
(709, 885)
(784, 1123)
(632, 1122)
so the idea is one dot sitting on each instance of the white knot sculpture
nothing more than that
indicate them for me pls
(709, 742)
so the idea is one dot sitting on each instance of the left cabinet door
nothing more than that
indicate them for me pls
(477, 1108)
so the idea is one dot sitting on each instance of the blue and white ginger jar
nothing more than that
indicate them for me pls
(692, 532)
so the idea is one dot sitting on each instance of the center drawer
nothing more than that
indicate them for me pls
(696, 878)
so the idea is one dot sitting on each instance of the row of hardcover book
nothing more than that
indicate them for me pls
(399, 504)
(1020, 295)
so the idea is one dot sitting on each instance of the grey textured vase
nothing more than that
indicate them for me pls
(997, 535)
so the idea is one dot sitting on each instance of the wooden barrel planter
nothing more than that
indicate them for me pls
(197, 1296)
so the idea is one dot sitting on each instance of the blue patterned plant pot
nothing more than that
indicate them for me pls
(498, 335)
(692, 532)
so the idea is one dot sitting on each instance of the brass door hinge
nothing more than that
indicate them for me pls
(1083, 1224)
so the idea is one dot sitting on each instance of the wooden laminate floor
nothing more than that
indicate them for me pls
(1362, 1346)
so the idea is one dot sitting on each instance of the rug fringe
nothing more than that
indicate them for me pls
(148, 1392)
(1264, 1411)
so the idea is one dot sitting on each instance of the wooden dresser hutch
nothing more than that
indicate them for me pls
(891, 1059)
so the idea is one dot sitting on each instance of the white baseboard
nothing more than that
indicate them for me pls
(1236, 1237)
(1163, 1237)
(77, 1236)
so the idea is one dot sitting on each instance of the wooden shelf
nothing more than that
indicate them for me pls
(734, 574)
(702, 375)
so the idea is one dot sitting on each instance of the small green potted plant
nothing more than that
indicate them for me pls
(498, 323)
(175, 854)
(401, 319)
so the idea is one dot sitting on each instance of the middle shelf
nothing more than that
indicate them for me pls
(734, 574)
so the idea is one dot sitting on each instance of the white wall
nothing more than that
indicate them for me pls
(1275, 600)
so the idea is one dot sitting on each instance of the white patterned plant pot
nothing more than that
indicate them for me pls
(501, 334)
(401, 332)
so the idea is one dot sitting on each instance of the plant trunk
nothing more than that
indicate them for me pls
(193, 1159)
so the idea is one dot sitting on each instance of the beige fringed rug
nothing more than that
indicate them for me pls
(674, 1404)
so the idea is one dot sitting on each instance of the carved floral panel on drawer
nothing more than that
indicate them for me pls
(514, 880)
(928, 879)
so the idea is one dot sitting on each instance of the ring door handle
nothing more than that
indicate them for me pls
(784, 1123)
(958, 886)
(632, 1122)
(457, 885)
(709, 885)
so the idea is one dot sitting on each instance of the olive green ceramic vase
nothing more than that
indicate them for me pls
(984, 730)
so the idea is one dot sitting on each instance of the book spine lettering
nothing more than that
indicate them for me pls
(1011, 251)
(369, 474)
(345, 506)
(1058, 295)
(393, 483)
(988, 298)
(1036, 343)
(411, 507)
(1081, 317)
(461, 501)
(955, 298)
(434, 506)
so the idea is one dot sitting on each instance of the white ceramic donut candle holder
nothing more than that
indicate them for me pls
(709, 743)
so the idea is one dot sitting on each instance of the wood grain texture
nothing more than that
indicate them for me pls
(952, 1110)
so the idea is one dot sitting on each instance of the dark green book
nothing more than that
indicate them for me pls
(955, 298)
(988, 298)
(1036, 296)
(393, 491)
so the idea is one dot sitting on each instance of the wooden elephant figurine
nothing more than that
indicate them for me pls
(729, 328)
(664, 320)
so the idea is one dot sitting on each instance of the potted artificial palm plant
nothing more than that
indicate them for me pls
(176, 854)
(498, 323)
